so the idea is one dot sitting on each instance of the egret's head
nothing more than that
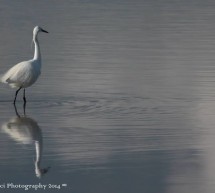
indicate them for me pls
(38, 29)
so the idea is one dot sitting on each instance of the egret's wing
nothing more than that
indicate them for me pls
(17, 74)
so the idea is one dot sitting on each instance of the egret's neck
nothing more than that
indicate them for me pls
(37, 54)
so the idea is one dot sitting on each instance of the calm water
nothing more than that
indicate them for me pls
(125, 102)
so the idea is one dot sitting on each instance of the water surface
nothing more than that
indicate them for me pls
(125, 102)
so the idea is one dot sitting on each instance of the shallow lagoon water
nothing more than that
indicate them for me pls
(125, 102)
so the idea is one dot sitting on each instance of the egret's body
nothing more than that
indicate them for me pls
(25, 73)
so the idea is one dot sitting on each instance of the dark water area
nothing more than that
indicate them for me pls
(125, 102)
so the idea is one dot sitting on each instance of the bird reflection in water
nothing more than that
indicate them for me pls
(25, 130)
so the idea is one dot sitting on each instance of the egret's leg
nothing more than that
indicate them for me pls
(16, 110)
(24, 107)
(16, 95)
(24, 98)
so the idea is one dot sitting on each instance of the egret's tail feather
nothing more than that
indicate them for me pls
(3, 78)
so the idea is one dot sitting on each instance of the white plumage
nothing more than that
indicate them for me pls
(25, 73)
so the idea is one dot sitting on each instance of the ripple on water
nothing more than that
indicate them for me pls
(98, 106)
(108, 106)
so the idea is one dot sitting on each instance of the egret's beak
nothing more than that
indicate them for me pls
(44, 31)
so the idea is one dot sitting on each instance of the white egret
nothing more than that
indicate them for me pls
(25, 73)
